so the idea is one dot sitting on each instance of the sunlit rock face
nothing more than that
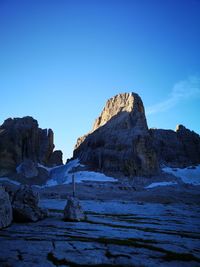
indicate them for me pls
(119, 140)
(178, 148)
(20, 139)
(128, 103)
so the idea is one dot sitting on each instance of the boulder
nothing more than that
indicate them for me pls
(31, 173)
(22, 139)
(28, 168)
(11, 189)
(119, 141)
(73, 210)
(25, 206)
(5, 209)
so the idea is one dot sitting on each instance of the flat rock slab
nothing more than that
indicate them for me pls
(115, 234)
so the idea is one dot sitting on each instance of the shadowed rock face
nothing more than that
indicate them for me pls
(119, 141)
(73, 210)
(25, 206)
(20, 139)
(5, 209)
(178, 148)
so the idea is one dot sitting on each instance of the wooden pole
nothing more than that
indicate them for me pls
(73, 182)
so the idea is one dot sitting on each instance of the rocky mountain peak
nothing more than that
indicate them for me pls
(121, 103)
(19, 123)
(180, 127)
(119, 141)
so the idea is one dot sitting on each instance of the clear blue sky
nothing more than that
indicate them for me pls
(61, 60)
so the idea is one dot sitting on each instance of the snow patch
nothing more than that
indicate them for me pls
(189, 175)
(44, 167)
(49, 169)
(90, 176)
(160, 184)
(62, 175)
(5, 179)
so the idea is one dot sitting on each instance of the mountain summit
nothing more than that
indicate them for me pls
(123, 103)
(119, 141)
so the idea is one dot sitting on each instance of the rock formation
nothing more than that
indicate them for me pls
(120, 141)
(5, 209)
(28, 169)
(21, 139)
(25, 206)
(56, 158)
(178, 148)
(31, 173)
(73, 210)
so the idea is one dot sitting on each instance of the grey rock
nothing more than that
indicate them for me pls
(30, 173)
(178, 148)
(115, 234)
(56, 158)
(11, 189)
(119, 141)
(89, 254)
(25, 206)
(73, 210)
(5, 209)
(21, 139)
(28, 168)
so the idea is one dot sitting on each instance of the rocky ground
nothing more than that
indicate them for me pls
(178, 193)
(125, 226)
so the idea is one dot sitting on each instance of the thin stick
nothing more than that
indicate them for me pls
(73, 182)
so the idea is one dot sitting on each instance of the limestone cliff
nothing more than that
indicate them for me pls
(178, 148)
(20, 139)
(119, 141)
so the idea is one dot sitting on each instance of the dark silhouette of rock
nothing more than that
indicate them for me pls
(5, 209)
(25, 206)
(11, 189)
(73, 210)
(178, 148)
(119, 141)
(56, 158)
(21, 139)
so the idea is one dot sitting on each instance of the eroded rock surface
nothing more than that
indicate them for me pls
(21, 139)
(115, 234)
(73, 210)
(31, 173)
(56, 158)
(28, 169)
(25, 206)
(119, 141)
(178, 148)
(5, 209)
